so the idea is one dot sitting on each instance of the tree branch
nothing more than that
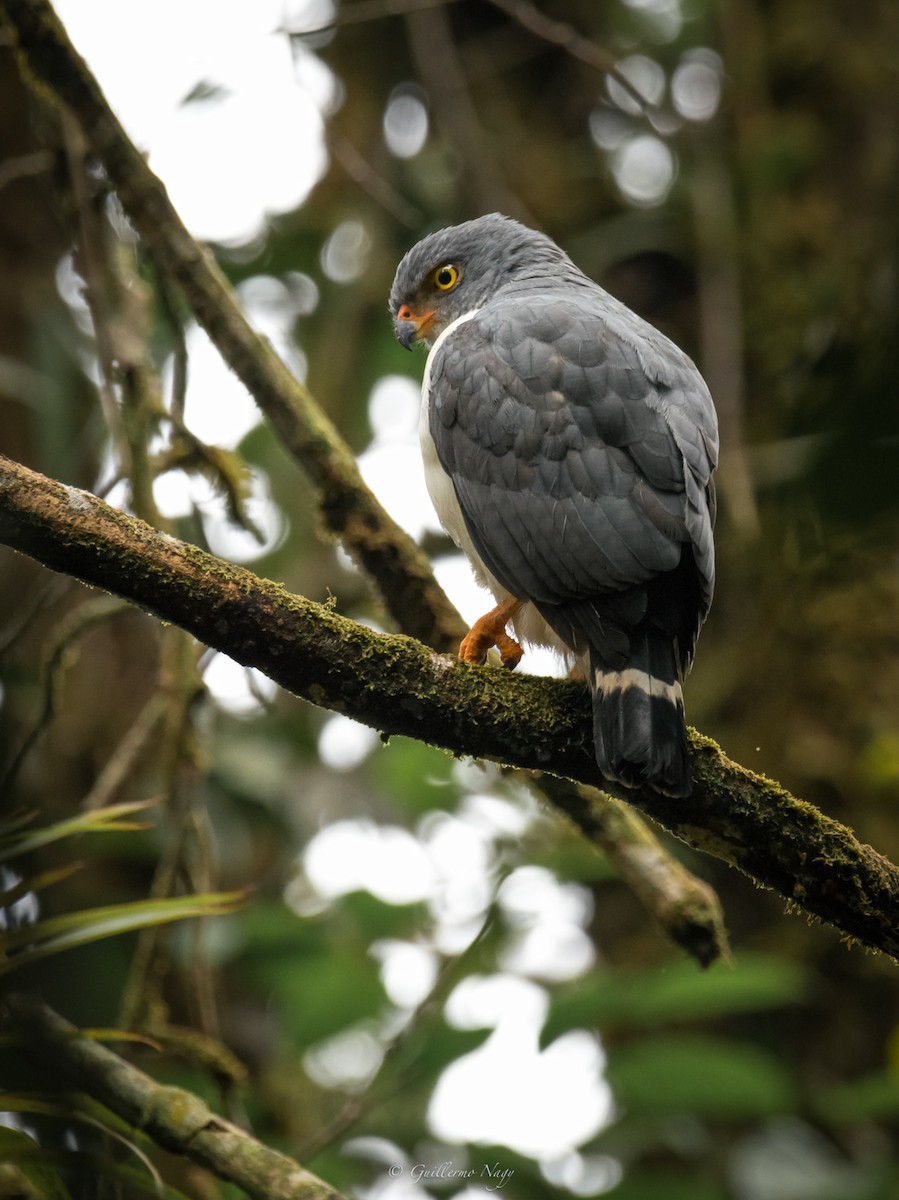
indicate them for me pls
(399, 686)
(688, 912)
(175, 1119)
(686, 907)
(349, 510)
(442, 71)
(567, 38)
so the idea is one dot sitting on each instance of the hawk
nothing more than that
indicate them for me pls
(569, 449)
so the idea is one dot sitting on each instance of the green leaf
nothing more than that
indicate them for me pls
(68, 930)
(69, 1107)
(38, 883)
(679, 992)
(17, 839)
(39, 1166)
(705, 1076)
(23, 1152)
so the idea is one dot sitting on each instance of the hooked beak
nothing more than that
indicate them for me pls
(408, 326)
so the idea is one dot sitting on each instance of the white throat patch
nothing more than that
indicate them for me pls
(439, 484)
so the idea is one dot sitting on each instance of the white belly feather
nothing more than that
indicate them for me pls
(528, 625)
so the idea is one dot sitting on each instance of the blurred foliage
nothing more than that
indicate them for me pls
(761, 233)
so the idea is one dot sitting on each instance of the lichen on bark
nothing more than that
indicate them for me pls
(399, 686)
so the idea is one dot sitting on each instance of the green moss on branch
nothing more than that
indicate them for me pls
(399, 686)
(175, 1119)
(349, 510)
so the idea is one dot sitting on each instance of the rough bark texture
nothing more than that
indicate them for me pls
(349, 511)
(173, 1118)
(399, 686)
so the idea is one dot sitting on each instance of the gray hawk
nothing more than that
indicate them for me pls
(569, 449)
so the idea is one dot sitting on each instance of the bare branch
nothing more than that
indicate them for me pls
(685, 906)
(360, 170)
(442, 71)
(369, 10)
(721, 328)
(57, 656)
(567, 38)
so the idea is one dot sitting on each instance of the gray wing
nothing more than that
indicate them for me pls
(581, 444)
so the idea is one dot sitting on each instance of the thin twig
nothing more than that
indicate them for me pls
(47, 590)
(88, 260)
(360, 170)
(567, 38)
(686, 907)
(368, 10)
(441, 70)
(121, 762)
(358, 1107)
(57, 655)
(121, 314)
(721, 326)
(180, 361)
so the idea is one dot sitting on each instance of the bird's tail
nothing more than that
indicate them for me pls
(638, 717)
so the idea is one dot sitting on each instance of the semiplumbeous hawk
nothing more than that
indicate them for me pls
(569, 449)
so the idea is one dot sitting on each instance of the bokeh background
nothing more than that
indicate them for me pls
(434, 968)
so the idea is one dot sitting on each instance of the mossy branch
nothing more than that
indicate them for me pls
(382, 548)
(687, 910)
(175, 1119)
(397, 685)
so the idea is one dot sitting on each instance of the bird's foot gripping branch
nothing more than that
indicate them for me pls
(399, 686)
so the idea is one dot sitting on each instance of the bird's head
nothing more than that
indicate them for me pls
(457, 270)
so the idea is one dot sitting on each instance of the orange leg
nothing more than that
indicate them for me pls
(489, 631)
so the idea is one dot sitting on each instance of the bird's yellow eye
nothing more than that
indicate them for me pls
(446, 277)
